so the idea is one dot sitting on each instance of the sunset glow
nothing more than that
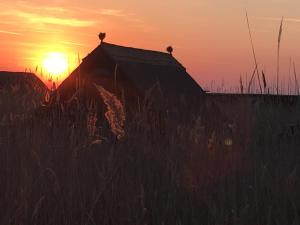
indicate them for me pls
(55, 64)
(210, 38)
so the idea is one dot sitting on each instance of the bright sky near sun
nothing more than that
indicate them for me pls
(209, 37)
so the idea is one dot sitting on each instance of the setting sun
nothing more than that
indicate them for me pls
(55, 63)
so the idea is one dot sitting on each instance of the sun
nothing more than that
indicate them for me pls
(55, 63)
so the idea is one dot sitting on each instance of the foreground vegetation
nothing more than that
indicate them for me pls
(170, 166)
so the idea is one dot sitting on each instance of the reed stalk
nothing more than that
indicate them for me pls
(254, 56)
(296, 80)
(278, 54)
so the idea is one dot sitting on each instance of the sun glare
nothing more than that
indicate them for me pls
(55, 63)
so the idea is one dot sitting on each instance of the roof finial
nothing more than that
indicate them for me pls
(102, 36)
(170, 50)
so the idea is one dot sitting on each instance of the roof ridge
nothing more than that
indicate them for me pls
(134, 48)
(122, 53)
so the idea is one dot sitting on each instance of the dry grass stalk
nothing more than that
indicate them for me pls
(251, 79)
(115, 76)
(254, 56)
(264, 81)
(78, 80)
(289, 81)
(296, 80)
(115, 113)
(278, 53)
(241, 85)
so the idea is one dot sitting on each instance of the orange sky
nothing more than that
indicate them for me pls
(209, 37)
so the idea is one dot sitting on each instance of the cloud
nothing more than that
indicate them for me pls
(102, 12)
(131, 18)
(9, 32)
(29, 44)
(39, 16)
(295, 20)
(72, 43)
(45, 31)
(32, 59)
(111, 12)
(72, 22)
(34, 18)
(42, 19)
(30, 6)
(262, 30)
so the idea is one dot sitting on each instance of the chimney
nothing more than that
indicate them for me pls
(102, 37)
(170, 50)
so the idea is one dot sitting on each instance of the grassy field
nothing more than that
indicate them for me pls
(232, 162)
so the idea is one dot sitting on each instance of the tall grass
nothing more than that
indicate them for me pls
(174, 166)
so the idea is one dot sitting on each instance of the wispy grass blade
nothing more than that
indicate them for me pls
(264, 80)
(241, 85)
(251, 79)
(254, 56)
(296, 80)
(278, 54)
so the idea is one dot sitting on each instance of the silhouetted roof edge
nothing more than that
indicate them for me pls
(103, 46)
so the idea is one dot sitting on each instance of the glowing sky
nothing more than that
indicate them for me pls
(209, 37)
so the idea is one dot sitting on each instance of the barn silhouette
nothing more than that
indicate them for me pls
(130, 72)
(20, 93)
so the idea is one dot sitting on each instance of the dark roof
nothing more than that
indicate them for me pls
(135, 55)
(22, 78)
(145, 68)
(20, 92)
